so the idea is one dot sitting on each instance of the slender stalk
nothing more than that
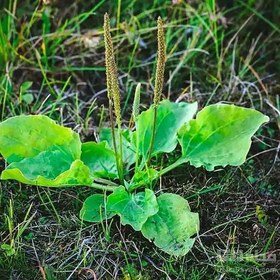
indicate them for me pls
(136, 103)
(160, 173)
(171, 166)
(153, 135)
(114, 136)
(161, 57)
(105, 181)
(135, 114)
(121, 169)
(102, 187)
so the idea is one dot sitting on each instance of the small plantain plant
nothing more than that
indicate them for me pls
(121, 164)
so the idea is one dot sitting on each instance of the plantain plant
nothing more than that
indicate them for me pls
(121, 164)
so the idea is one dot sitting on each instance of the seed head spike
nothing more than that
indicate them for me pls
(113, 94)
(111, 71)
(161, 57)
(108, 54)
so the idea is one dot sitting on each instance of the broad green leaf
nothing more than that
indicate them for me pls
(173, 225)
(133, 209)
(41, 152)
(128, 150)
(48, 164)
(41, 175)
(100, 159)
(26, 136)
(220, 135)
(170, 117)
(94, 209)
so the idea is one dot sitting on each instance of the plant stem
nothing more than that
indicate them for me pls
(102, 187)
(121, 176)
(162, 172)
(135, 114)
(105, 181)
(153, 136)
(171, 166)
(119, 168)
